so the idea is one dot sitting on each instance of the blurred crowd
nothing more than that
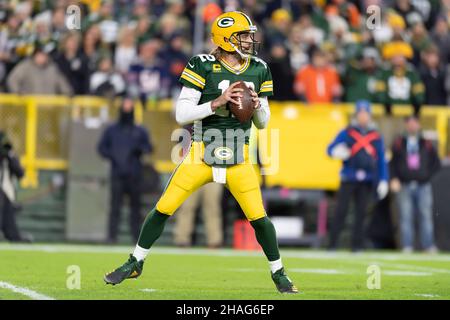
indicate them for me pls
(326, 50)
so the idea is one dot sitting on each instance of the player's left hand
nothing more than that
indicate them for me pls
(255, 99)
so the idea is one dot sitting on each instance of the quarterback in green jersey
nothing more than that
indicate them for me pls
(219, 151)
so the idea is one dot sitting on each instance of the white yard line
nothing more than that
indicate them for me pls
(301, 254)
(406, 273)
(411, 267)
(318, 271)
(427, 295)
(24, 291)
(297, 270)
(339, 272)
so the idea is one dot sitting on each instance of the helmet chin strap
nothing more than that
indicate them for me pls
(243, 55)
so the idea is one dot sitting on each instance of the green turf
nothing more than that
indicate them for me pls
(221, 274)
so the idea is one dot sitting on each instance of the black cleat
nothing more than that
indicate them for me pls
(283, 283)
(129, 270)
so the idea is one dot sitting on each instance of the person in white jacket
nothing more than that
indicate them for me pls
(106, 81)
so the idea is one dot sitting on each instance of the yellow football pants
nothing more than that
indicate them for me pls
(193, 173)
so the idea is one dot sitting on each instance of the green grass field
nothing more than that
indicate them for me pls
(41, 271)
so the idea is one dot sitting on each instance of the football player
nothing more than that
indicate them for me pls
(219, 151)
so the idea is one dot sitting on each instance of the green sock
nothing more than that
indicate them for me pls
(267, 237)
(152, 228)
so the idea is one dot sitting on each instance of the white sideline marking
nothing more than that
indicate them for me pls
(427, 295)
(318, 271)
(406, 273)
(334, 271)
(299, 270)
(148, 290)
(25, 291)
(412, 267)
(247, 270)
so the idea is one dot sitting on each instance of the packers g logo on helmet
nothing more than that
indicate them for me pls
(225, 22)
(226, 33)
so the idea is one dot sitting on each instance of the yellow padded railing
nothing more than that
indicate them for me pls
(304, 130)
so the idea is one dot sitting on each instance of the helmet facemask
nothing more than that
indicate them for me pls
(245, 48)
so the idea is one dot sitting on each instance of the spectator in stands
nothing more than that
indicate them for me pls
(393, 26)
(148, 77)
(92, 43)
(41, 32)
(346, 10)
(126, 52)
(209, 197)
(106, 81)
(168, 24)
(339, 43)
(73, 63)
(433, 76)
(298, 44)
(109, 27)
(145, 30)
(429, 10)
(38, 75)
(124, 10)
(318, 82)
(441, 38)
(141, 8)
(10, 172)
(123, 144)
(58, 24)
(445, 7)
(361, 77)
(278, 28)
(400, 82)
(313, 9)
(10, 46)
(414, 162)
(420, 40)
(174, 19)
(405, 9)
(254, 9)
(311, 34)
(177, 60)
(281, 71)
(361, 148)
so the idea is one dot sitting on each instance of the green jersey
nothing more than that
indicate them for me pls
(401, 86)
(360, 84)
(222, 131)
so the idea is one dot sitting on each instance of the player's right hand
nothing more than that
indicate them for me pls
(231, 94)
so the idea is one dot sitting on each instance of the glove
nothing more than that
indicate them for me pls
(341, 151)
(382, 189)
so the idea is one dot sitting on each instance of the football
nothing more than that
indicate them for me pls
(243, 111)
